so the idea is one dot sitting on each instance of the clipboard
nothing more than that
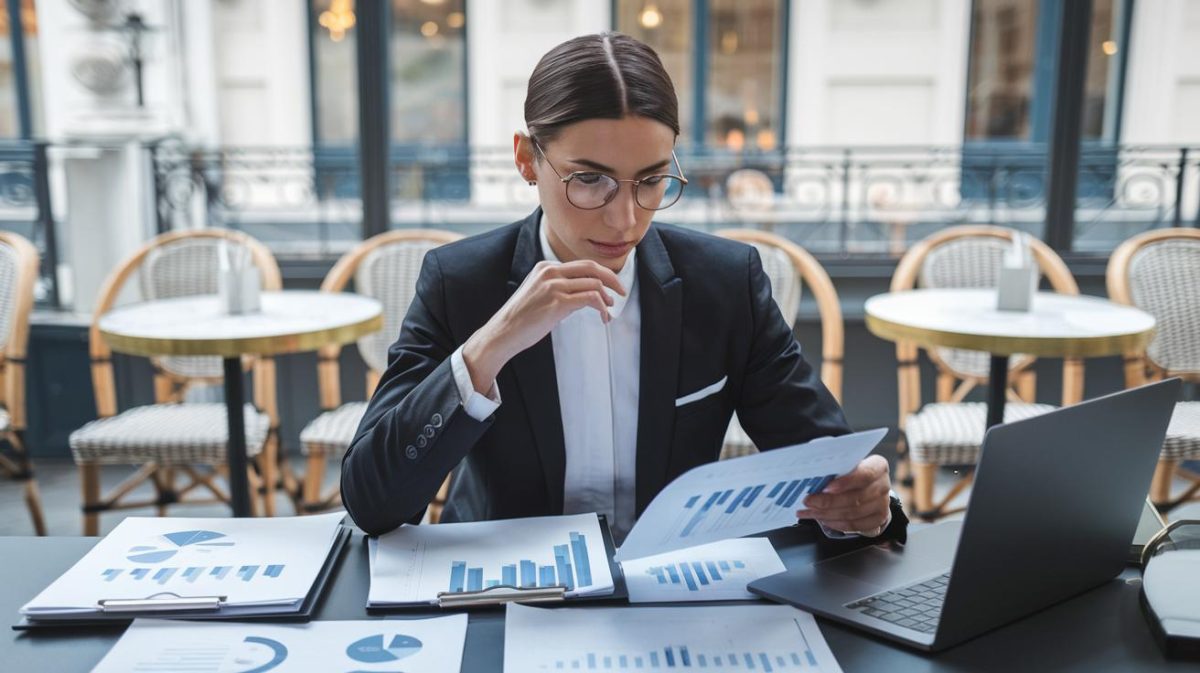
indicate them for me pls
(500, 595)
(120, 612)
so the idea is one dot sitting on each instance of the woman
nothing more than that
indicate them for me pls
(581, 359)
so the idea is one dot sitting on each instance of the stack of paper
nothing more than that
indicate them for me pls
(413, 564)
(428, 645)
(764, 638)
(257, 566)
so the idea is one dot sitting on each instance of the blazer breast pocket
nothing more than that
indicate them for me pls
(691, 399)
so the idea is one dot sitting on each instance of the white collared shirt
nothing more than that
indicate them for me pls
(597, 367)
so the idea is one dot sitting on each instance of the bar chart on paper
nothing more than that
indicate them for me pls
(713, 572)
(742, 496)
(706, 512)
(571, 568)
(732, 638)
(414, 564)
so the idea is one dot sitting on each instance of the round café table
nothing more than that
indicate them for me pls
(290, 321)
(1057, 325)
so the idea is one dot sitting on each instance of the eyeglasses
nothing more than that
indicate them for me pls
(589, 190)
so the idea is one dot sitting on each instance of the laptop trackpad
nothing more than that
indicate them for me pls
(930, 551)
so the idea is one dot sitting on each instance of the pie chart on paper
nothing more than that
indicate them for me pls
(379, 648)
(167, 545)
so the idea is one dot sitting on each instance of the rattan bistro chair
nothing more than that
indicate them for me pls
(172, 437)
(949, 432)
(385, 267)
(790, 268)
(1159, 272)
(18, 274)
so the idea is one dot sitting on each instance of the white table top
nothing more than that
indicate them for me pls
(290, 321)
(1056, 325)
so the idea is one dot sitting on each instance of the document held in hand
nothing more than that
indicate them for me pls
(743, 496)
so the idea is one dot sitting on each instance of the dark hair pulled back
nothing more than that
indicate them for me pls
(599, 76)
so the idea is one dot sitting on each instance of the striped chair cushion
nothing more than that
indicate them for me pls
(1183, 434)
(170, 434)
(5, 420)
(331, 432)
(951, 433)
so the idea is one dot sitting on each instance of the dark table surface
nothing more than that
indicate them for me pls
(1101, 630)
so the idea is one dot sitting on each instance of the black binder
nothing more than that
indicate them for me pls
(498, 596)
(122, 612)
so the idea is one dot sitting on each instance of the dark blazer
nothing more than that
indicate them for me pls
(707, 313)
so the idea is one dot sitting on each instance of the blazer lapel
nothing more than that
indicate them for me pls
(534, 371)
(661, 293)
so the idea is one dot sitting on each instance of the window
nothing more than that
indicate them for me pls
(428, 62)
(428, 72)
(1014, 47)
(20, 96)
(335, 76)
(726, 58)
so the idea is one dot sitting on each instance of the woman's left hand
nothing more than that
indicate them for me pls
(857, 502)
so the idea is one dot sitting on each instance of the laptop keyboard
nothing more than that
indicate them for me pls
(916, 606)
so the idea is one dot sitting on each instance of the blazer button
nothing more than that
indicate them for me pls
(436, 420)
(411, 452)
(421, 441)
(429, 431)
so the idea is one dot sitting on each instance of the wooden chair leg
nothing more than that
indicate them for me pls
(164, 484)
(924, 475)
(33, 499)
(314, 476)
(268, 464)
(255, 484)
(1160, 485)
(89, 477)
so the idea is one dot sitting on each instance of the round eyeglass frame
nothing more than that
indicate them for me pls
(613, 193)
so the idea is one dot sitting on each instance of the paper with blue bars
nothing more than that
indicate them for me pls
(413, 564)
(251, 562)
(759, 638)
(742, 496)
(718, 571)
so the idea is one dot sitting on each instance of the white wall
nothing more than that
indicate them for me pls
(1162, 89)
(260, 52)
(890, 72)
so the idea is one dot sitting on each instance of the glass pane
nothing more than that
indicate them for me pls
(1000, 80)
(336, 74)
(744, 95)
(1098, 117)
(428, 44)
(665, 25)
(33, 64)
(8, 84)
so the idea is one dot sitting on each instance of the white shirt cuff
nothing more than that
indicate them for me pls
(477, 406)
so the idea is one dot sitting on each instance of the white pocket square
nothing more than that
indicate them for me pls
(702, 393)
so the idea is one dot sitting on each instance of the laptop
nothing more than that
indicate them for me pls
(1055, 503)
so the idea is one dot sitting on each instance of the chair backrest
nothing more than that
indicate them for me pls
(1159, 272)
(385, 267)
(750, 190)
(18, 275)
(971, 256)
(789, 268)
(175, 264)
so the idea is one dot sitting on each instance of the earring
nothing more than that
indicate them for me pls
(532, 183)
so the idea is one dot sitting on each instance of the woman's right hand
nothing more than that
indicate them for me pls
(550, 293)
